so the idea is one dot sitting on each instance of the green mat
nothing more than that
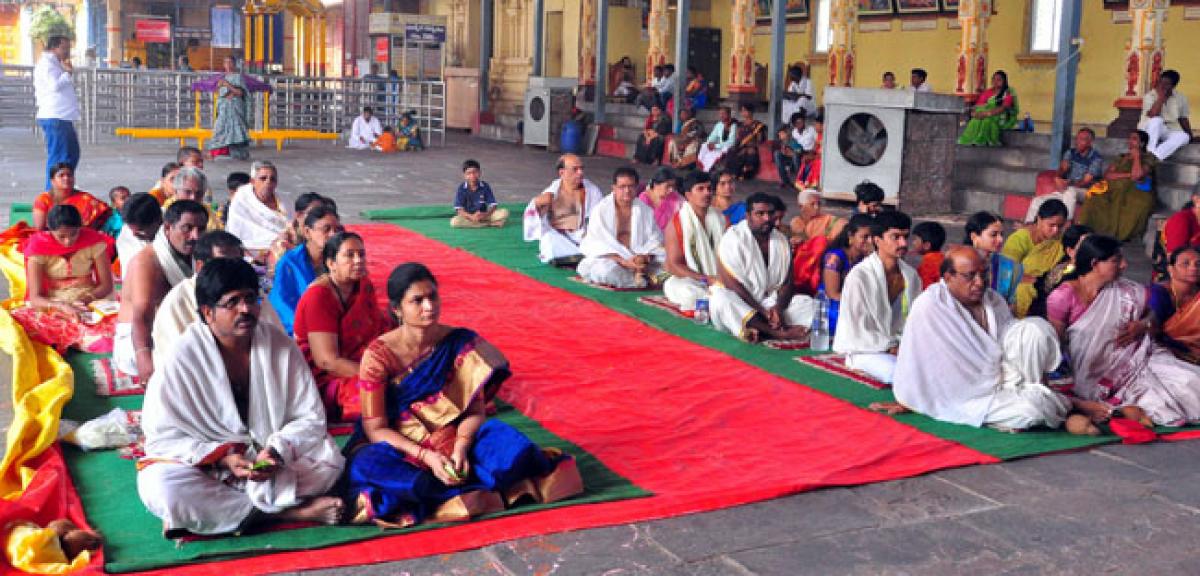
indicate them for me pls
(107, 485)
(20, 212)
(505, 247)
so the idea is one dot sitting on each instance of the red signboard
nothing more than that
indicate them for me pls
(153, 31)
(381, 48)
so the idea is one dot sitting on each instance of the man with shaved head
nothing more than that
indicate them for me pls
(964, 359)
(557, 218)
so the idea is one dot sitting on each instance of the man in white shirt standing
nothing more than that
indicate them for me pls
(918, 79)
(58, 107)
(365, 130)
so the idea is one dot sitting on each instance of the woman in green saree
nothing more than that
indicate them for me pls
(995, 110)
(231, 130)
(1122, 210)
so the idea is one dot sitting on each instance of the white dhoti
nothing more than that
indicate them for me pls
(123, 357)
(600, 242)
(606, 271)
(730, 313)
(199, 499)
(869, 325)
(1070, 197)
(878, 365)
(554, 243)
(683, 292)
(1164, 141)
(557, 244)
(1022, 401)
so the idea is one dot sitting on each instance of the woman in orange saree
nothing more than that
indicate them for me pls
(1176, 303)
(93, 212)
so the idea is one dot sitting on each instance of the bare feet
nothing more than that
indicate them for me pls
(1137, 415)
(751, 334)
(1081, 425)
(794, 333)
(889, 408)
(326, 510)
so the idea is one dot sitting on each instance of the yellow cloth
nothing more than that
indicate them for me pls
(1036, 259)
(37, 551)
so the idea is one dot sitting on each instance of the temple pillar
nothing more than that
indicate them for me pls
(658, 25)
(512, 59)
(115, 43)
(587, 44)
(290, 43)
(843, 18)
(1144, 62)
(741, 54)
(971, 69)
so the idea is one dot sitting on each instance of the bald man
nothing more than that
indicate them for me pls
(557, 218)
(964, 359)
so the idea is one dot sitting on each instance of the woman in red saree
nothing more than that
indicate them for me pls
(69, 276)
(812, 231)
(93, 212)
(336, 319)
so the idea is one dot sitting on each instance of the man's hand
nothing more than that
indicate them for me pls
(1061, 184)
(543, 201)
(266, 464)
(238, 465)
(68, 66)
(774, 318)
(144, 358)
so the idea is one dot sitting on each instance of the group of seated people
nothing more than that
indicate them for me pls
(236, 409)
(366, 133)
(1049, 299)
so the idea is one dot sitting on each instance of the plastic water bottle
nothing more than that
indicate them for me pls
(818, 335)
(1027, 123)
(701, 314)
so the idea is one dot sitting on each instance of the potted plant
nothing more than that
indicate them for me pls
(46, 23)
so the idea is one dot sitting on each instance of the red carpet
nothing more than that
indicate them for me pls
(699, 429)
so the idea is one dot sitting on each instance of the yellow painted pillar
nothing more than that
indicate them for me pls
(658, 25)
(114, 33)
(1144, 54)
(321, 45)
(306, 22)
(247, 47)
(971, 69)
(270, 38)
(843, 18)
(741, 54)
(259, 46)
(587, 43)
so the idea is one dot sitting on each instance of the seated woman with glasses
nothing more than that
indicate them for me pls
(335, 321)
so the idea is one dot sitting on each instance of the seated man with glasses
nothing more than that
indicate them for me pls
(256, 215)
(235, 429)
(965, 360)
(623, 247)
(152, 273)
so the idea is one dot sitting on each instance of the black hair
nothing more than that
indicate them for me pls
(334, 244)
(999, 97)
(176, 210)
(663, 174)
(187, 152)
(1094, 248)
(857, 222)
(1073, 234)
(658, 68)
(63, 215)
(977, 223)
(221, 276)
(920, 73)
(402, 278)
(236, 180)
(56, 41)
(57, 167)
(1179, 252)
(471, 164)
(1051, 208)
(797, 115)
(1143, 138)
(368, 110)
(169, 167)
(931, 232)
(868, 192)
(316, 214)
(210, 241)
(1171, 75)
(889, 73)
(763, 198)
(890, 220)
(693, 179)
(112, 193)
(1090, 132)
(626, 171)
(142, 209)
(746, 106)
(305, 200)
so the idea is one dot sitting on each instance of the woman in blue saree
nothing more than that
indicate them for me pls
(985, 232)
(298, 267)
(425, 449)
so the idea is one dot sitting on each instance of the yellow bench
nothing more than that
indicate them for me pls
(202, 134)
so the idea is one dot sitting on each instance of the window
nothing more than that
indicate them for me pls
(822, 36)
(1045, 24)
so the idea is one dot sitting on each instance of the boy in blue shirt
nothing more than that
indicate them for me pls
(474, 204)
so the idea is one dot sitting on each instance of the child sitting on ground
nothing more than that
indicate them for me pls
(474, 204)
(386, 142)
(787, 156)
(926, 242)
(409, 135)
(116, 198)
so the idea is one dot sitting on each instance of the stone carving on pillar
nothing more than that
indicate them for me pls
(973, 19)
(458, 33)
(741, 56)
(843, 17)
(1144, 61)
(512, 59)
(113, 28)
(587, 42)
(657, 27)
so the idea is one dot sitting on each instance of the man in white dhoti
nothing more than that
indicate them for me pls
(876, 298)
(364, 130)
(164, 263)
(557, 218)
(178, 309)
(720, 140)
(1165, 114)
(235, 429)
(141, 218)
(755, 299)
(691, 243)
(623, 247)
(256, 216)
(965, 360)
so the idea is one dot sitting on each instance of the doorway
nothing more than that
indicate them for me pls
(552, 50)
(704, 52)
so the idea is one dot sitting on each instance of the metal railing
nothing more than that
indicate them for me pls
(112, 98)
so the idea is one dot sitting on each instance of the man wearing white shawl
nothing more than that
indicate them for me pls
(178, 309)
(557, 218)
(364, 130)
(876, 297)
(142, 218)
(720, 140)
(152, 273)
(256, 215)
(965, 360)
(692, 240)
(235, 429)
(623, 247)
(755, 299)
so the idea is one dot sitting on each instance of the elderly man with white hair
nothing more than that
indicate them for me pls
(256, 215)
(190, 183)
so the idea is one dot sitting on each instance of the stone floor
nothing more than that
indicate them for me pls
(1117, 509)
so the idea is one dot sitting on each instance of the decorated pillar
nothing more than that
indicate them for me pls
(113, 28)
(741, 54)
(971, 69)
(658, 25)
(843, 17)
(321, 24)
(512, 54)
(247, 31)
(1144, 54)
(587, 42)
